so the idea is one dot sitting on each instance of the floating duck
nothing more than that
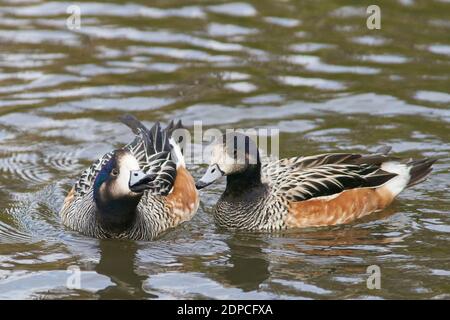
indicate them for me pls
(313, 191)
(136, 192)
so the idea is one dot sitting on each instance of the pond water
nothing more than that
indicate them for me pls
(310, 68)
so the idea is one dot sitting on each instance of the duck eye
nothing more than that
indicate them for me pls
(115, 172)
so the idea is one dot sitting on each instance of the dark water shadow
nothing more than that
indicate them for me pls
(118, 262)
(248, 264)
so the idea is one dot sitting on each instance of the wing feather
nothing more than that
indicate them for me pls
(303, 178)
(152, 150)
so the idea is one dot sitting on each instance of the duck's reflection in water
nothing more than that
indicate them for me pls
(254, 258)
(247, 266)
(252, 261)
(117, 262)
(350, 240)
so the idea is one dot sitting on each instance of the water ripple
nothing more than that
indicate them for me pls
(318, 75)
(236, 9)
(25, 166)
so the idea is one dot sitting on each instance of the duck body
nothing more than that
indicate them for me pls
(136, 192)
(313, 191)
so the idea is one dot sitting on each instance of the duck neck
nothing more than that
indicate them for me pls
(117, 214)
(242, 203)
(250, 179)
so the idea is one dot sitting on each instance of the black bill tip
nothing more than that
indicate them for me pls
(200, 185)
(141, 182)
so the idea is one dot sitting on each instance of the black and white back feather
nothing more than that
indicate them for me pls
(151, 148)
(303, 178)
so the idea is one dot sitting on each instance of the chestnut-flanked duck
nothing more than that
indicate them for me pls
(136, 192)
(311, 191)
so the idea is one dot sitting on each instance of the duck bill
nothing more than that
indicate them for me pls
(139, 181)
(212, 174)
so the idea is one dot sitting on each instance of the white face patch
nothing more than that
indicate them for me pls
(126, 164)
(231, 158)
(221, 158)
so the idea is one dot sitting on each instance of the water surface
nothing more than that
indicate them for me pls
(310, 68)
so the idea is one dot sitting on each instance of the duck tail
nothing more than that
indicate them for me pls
(175, 139)
(419, 170)
(407, 173)
(156, 139)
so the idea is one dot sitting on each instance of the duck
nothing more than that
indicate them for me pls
(135, 192)
(304, 191)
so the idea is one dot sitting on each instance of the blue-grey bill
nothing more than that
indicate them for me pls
(212, 174)
(140, 181)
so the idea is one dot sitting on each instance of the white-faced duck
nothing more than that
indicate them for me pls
(136, 192)
(310, 191)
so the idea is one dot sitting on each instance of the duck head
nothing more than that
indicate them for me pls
(118, 189)
(234, 155)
